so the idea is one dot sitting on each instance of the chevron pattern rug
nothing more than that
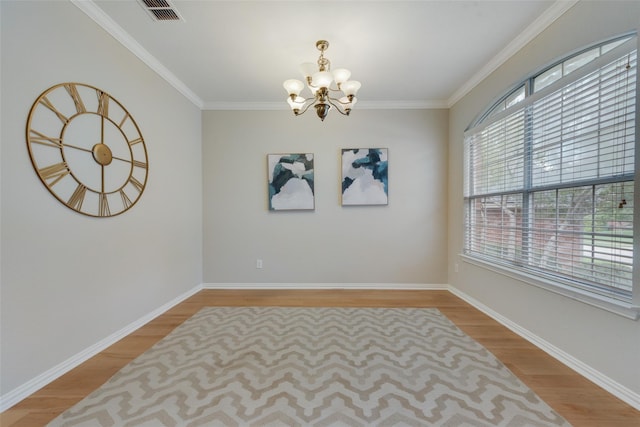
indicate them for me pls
(275, 366)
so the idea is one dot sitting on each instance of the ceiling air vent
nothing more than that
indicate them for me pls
(161, 10)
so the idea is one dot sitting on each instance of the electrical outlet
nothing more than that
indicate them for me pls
(258, 263)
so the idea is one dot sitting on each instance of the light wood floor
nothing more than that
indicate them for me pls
(581, 402)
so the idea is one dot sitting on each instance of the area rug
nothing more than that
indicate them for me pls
(276, 366)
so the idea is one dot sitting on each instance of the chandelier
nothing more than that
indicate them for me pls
(320, 80)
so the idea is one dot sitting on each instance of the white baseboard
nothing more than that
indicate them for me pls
(613, 387)
(9, 399)
(14, 396)
(389, 286)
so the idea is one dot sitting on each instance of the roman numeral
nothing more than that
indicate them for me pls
(136, 183)
(76, 199)
(139, 164)
(103, 205)
(126, 201)
(45, 101)
(135, 141)
(103, 103)
(40, 138)
(54, 173)
(124, 119)
(73, 92)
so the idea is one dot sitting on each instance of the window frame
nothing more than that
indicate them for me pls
(628, 308)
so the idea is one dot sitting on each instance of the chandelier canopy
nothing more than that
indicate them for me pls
(320, 81)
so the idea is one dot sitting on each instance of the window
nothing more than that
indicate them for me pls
(549, 175)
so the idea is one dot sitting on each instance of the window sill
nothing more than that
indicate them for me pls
(621, 308)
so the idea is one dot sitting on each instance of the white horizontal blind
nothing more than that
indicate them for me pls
(549, 182)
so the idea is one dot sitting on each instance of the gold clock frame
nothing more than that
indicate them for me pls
(50, 119)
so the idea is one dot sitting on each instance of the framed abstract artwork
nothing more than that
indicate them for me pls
(364, 176)
(291, 184)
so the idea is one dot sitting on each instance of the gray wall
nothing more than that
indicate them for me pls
(607, 343)
(68, 280)
(401, 243)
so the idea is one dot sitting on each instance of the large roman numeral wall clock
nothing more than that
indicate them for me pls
(87, 149)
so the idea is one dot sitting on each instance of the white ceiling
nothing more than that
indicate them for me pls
(236, 54)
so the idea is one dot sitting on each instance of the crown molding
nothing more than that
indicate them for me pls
(249, 106)
(429, 104)
(555, 11)
(362, 105)
(110, 26)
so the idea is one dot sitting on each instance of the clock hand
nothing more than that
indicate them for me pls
(122, 160)
(133, 162)
(75, 147)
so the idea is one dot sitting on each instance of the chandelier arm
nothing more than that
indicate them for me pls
(341, 103)
(311, 86)
(335, 90)
(338, 107)
(306, 107)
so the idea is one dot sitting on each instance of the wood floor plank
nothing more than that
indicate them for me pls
(577, 399)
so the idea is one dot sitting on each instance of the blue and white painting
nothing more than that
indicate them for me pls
(290, 181)
(364, 176)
